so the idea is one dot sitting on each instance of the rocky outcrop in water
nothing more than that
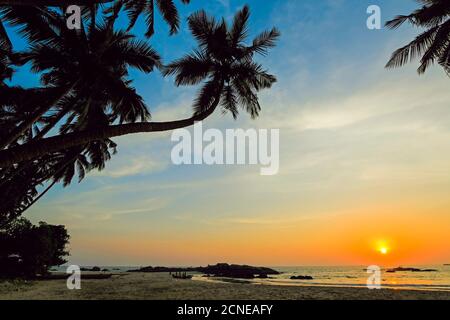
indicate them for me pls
(236, 271)
(93, 269)
(219, 270)
(151, 269)
(401, 269)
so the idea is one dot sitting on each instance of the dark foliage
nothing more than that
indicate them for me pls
(432, 45)
(27, 250)
(87, 97)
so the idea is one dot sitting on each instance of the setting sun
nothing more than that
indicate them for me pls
(383, 247)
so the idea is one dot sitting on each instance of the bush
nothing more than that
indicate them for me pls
(28, 250)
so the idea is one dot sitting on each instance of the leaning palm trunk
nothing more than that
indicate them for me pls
(41, 147)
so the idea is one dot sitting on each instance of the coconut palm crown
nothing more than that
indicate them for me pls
(225, 63)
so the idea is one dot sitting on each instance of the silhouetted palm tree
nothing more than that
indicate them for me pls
(94, 65)
(225, 63)
(92, 106)
(431, 46)
(223, 60)
(134, 9)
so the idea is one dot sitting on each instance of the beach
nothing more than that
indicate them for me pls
(161, 286)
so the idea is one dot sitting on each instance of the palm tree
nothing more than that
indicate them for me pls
(225, 63)
(431, 46)
(82, 63)
(38, 24)
(223, 60)
(134, 9)
(95, 62)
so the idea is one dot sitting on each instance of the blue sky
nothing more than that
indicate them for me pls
(356, 140)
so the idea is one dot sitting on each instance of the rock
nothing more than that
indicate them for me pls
(151, 269)
(94, 269)
(219, 270)
(236, 271)
(302, 278)
(428, 270)
(401, 269)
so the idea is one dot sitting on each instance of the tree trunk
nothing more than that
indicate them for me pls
(40, 147)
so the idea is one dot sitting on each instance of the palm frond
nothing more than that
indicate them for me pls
(190, 70)
(239, 29)
(265, 41)
(209, 92)
(170, 14)
(413, 49)
(230, 101)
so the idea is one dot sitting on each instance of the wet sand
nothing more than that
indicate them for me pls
(161, 286)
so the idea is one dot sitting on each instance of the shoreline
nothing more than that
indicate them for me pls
(161, 286)
(406, 287)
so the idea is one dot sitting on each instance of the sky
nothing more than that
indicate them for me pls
(364, 157)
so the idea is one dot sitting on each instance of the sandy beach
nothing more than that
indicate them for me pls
(161, 286)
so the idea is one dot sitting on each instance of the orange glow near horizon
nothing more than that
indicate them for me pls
(344, 239)
(388, 236)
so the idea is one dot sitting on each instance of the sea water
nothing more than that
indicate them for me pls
(356, 276)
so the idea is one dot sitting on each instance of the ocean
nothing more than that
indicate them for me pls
(355, 276)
